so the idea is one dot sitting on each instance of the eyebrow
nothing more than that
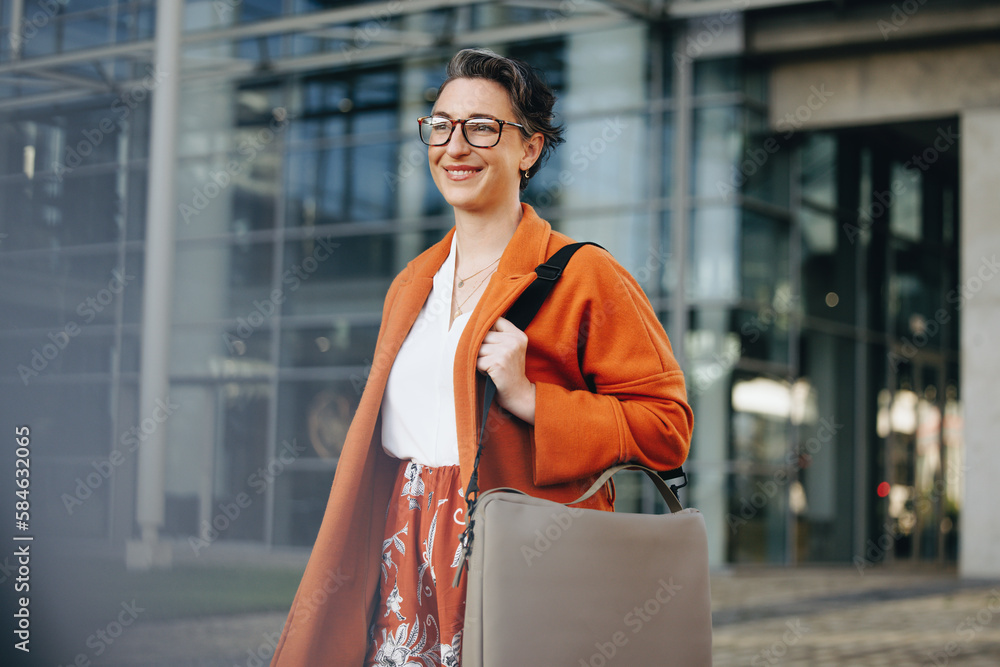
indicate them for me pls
(475, 114)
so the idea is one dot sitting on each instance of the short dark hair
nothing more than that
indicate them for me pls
(530, 96)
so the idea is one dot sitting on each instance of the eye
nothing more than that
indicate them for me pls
(483, 125)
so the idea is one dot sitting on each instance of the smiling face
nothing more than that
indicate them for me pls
(480, 179)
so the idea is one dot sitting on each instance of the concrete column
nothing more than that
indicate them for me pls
(16, 36)
(203, 288)
(979, 537)
(161, 215)
(711, 351)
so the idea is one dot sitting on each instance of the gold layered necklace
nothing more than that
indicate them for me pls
(461, 280)
(458, 309)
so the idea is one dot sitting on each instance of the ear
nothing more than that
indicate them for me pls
(532, 150)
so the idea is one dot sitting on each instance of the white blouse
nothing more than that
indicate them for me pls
(418, 407)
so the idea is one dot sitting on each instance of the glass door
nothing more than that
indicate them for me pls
(920, 487)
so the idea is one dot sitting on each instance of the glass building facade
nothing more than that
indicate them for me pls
(799, 272)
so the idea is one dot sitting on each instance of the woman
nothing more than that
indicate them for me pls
(591, 383)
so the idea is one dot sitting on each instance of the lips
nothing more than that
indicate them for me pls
(461, 172)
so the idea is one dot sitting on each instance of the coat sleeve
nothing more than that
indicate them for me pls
(633, 405)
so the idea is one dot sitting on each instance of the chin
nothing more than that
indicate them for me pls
(467, 200)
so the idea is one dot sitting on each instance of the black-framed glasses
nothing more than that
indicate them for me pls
(478, 132)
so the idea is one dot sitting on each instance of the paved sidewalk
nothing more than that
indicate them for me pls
(818, 617)
(801, 616)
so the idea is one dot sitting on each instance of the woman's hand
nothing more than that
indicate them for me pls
(501, 356)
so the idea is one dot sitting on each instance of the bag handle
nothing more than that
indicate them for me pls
(667, 491)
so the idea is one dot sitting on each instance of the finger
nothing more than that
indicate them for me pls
(504, 325)
(486, 365)
(499, 357)
(493, 337)
(492, 347)
(503, 345)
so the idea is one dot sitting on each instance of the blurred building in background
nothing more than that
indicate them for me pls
(806, 191)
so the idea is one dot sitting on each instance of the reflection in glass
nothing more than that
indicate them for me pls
(319, 413)
(905, 214)
(764, 260)
(717, 143)
(758, 505)
(714, 253)
(342, 342)
(818, 159)
(719, 75)
(300, 498)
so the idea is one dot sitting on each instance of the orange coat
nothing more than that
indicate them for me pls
(608, 390)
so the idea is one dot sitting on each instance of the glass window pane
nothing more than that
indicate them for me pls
(87, 31)
(605, 70)
(369, 198)
(347, 273)
(43, 37)
(765, 168)
(670, 277)
(602, 163)
(916, 295)
(668, 155)
(548, 57)
(765, 270)
(762, 408)
(219, 279)
(341, 342)
(242, 464)
(65, 501)
(819, 232)
(906, 212)
(89, 209)
(318, 414)
(249, 11)
(757, 521)
(714, 254)
(61, 350)
(716, 146)
(375, 89)
(717, 76)
(300, 498)
(57, 195)
(71, 419)
(238, 348)
(80, 288)
(711, 352)
(627, 237)
(819, 173)
(764, 331)
(73, 7)
(824, 410)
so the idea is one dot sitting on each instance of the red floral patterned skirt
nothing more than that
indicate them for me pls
(419, 616)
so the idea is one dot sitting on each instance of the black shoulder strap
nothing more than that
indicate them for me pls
(520, 315)
(528, 304)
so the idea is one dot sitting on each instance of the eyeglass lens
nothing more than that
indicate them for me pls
(479, 132)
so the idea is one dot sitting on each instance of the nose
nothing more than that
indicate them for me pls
(457, 145)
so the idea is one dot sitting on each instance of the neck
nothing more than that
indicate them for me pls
(482, 236)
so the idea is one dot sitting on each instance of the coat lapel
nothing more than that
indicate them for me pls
(525, 251)
(403, 312)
